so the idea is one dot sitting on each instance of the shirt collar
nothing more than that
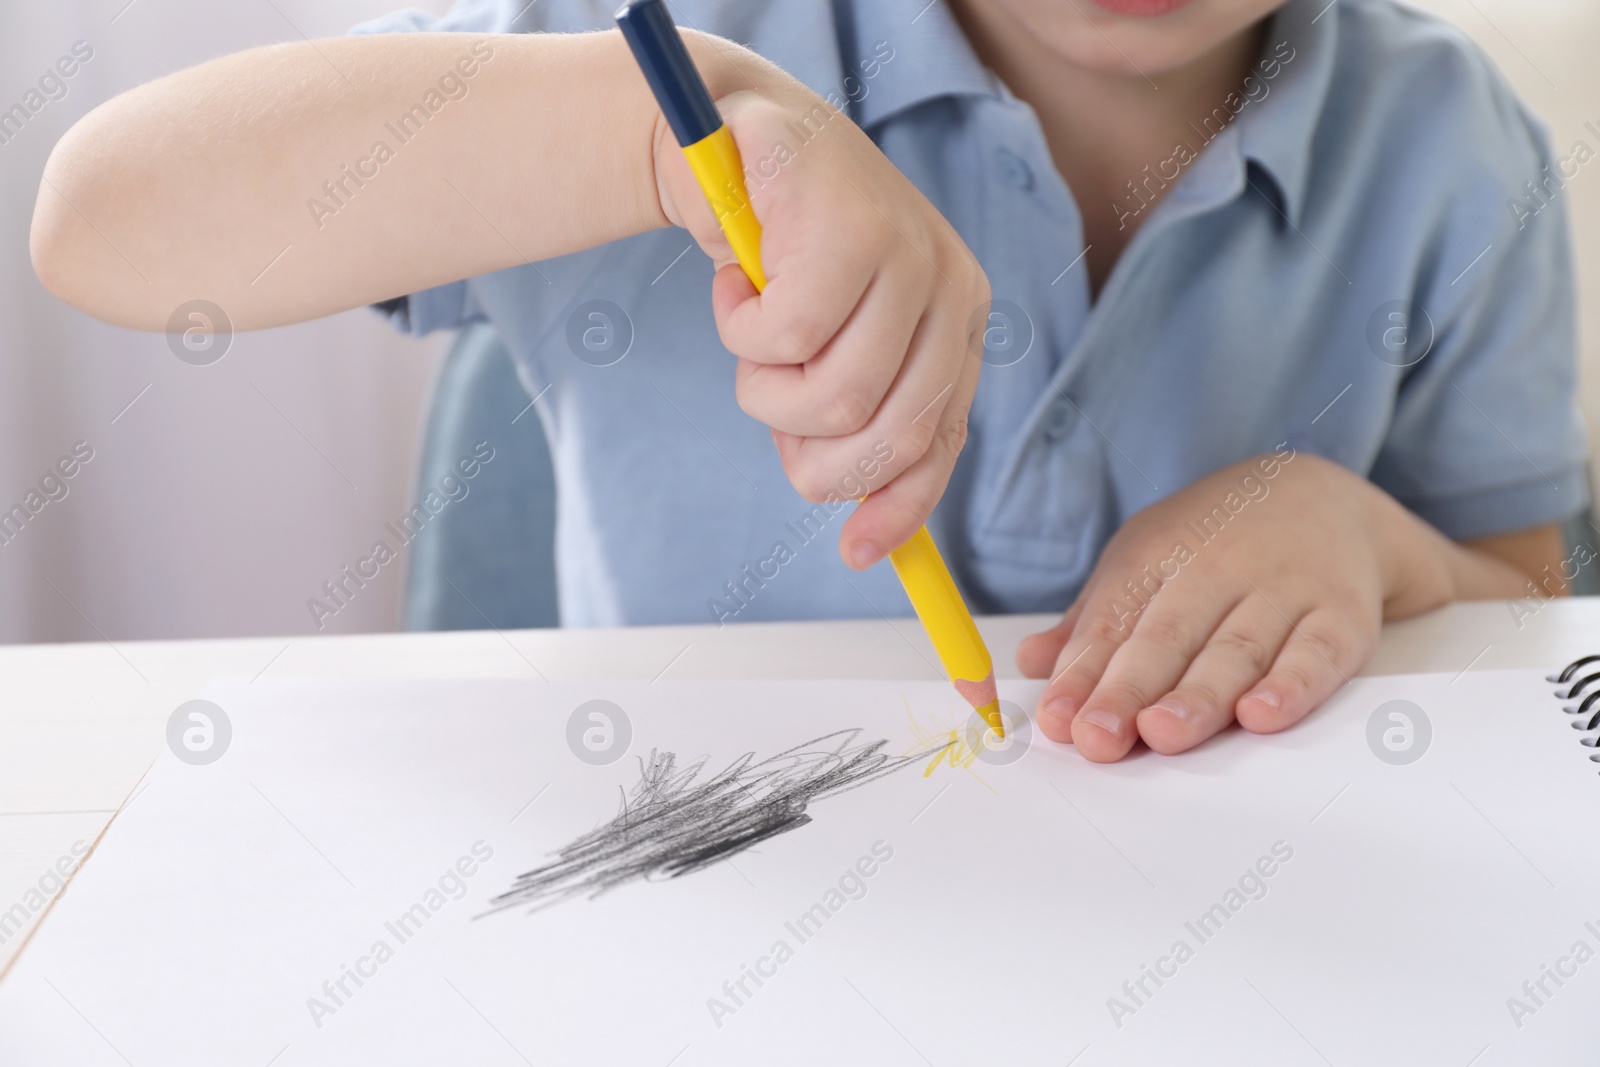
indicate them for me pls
(931, 57)
(1277, 132)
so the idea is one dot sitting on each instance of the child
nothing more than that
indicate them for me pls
(1281, 342)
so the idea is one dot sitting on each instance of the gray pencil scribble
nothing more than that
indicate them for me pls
(676, 822)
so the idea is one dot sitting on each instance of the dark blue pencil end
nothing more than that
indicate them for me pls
(649, 30)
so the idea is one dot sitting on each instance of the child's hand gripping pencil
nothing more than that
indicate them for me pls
(715, 160)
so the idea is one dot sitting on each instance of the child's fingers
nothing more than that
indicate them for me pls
(803, 306)
(925, 407)
(1236, 657)
(1083, 658)
(1324, 649)
(890, 515)
(816, 274)
(836, 392)
(1167, 636)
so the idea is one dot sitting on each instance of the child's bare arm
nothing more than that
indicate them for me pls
(196, 186)
(191, 185)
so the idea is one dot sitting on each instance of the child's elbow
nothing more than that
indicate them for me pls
(71, 256)
(50, 243)
(54, 239)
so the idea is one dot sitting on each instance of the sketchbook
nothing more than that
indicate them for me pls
(494, 872)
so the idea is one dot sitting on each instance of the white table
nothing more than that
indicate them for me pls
(80, 723)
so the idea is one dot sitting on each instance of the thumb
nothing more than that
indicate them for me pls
(1036, 655)
(730, 288)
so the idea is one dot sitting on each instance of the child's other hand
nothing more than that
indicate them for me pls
(1175, 636)
(857, 353)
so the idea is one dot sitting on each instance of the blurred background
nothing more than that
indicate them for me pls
(219, 498)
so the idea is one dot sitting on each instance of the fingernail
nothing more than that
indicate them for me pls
(1060, 708)
(1105, 720)
(864, 554)
(1176, 708)
(1268, 697)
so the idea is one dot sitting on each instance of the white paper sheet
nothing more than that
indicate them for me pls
(1332, 908)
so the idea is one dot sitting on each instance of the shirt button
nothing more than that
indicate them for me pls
(1014, 169)
(1058, 424)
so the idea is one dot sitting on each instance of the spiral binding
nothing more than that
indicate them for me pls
(1586, 713)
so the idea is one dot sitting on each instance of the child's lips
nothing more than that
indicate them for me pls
(1140, 8)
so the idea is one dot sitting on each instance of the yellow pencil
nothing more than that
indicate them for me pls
(714, 158)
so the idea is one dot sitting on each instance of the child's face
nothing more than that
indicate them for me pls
(1137, 36)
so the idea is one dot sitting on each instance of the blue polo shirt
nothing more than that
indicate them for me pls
(1370, 262)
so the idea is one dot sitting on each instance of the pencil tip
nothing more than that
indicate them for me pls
(991, 715)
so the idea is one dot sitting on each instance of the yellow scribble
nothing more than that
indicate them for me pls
(950, 740)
